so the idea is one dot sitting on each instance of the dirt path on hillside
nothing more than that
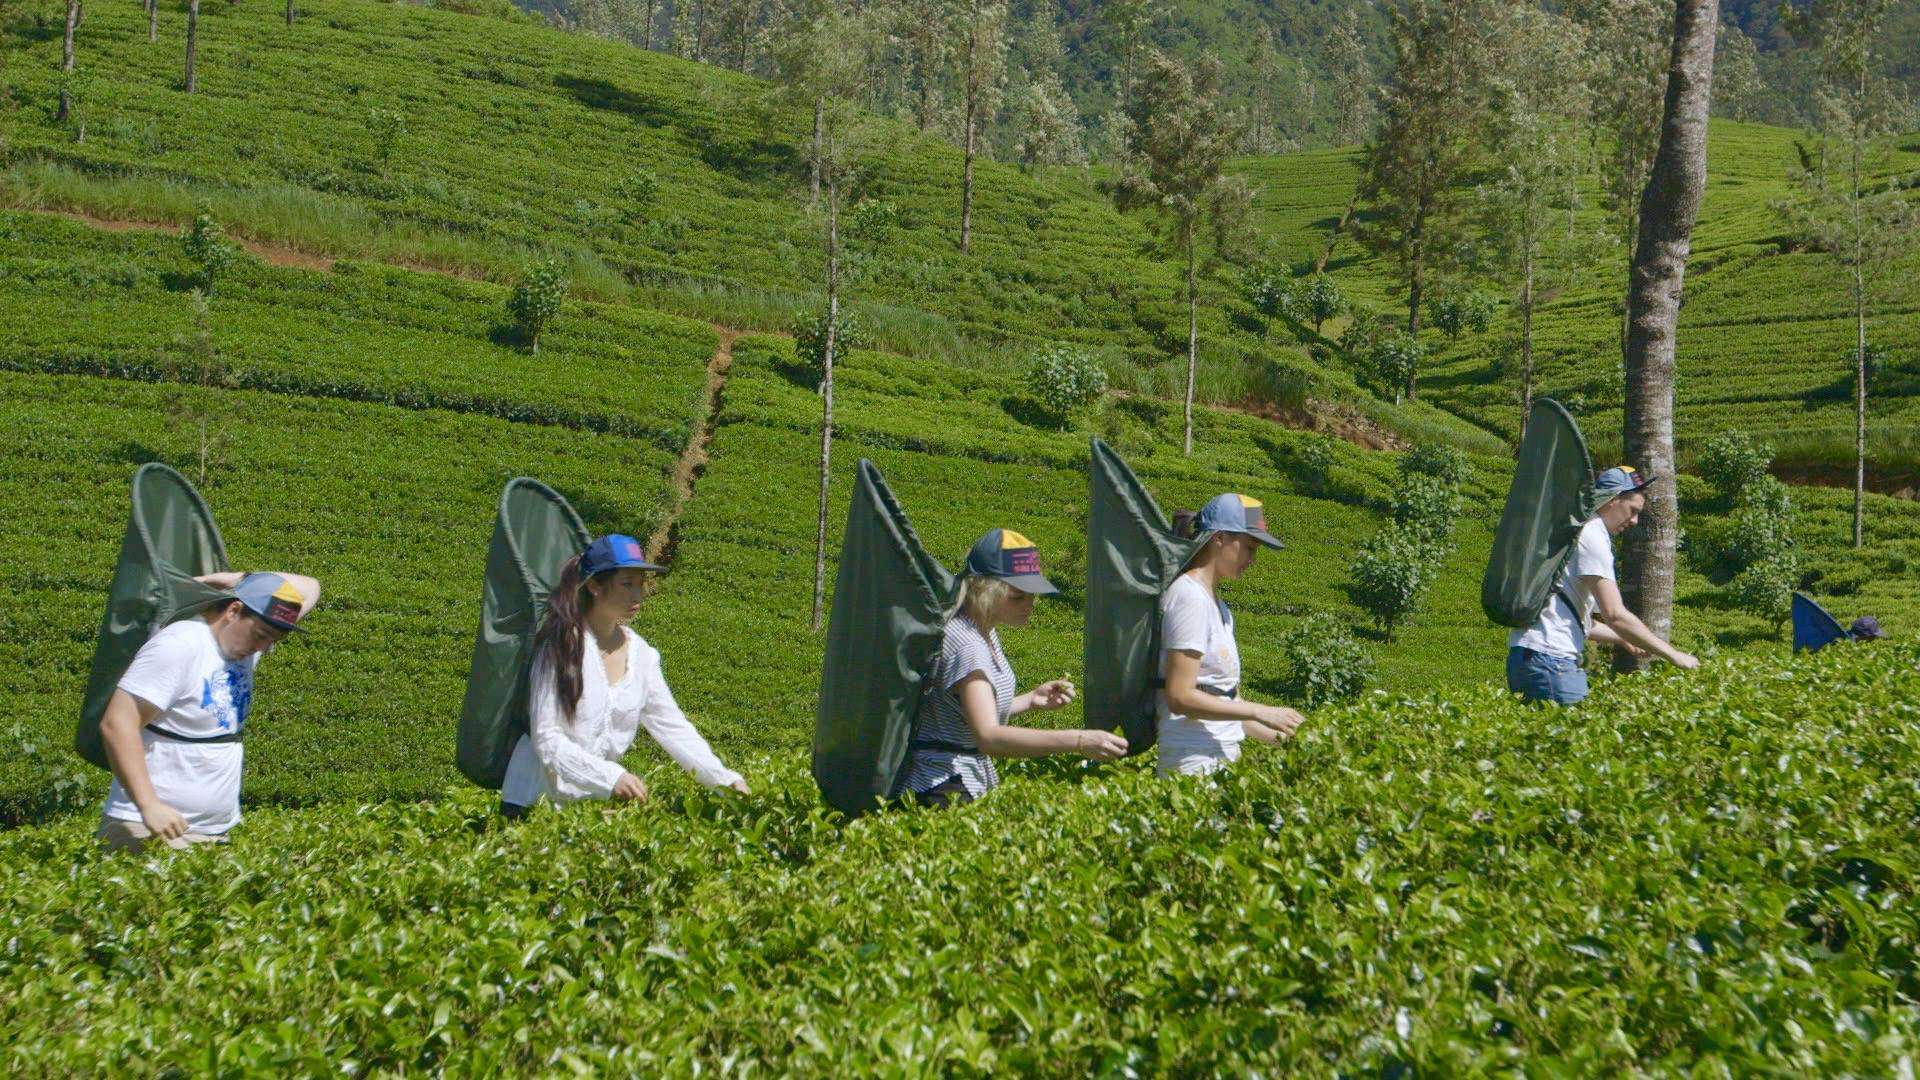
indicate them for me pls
(271, 254)
(664, 541)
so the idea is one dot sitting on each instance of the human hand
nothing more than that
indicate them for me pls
(163, 821)
(1685, 661)
(1099, 745)
(741, 787)
(1279, 718)
(629, 788)
(1053, 695)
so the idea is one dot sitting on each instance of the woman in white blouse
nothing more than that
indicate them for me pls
(594, 684)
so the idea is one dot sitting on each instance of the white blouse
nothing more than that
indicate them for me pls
(565, 761)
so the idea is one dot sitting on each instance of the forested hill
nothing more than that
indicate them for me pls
(1299, 70)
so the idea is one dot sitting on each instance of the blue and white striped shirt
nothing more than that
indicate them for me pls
(943, 732)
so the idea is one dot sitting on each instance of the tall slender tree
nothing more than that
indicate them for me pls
(189, 83)
(1668, 209)
(1530, 190)
(824, 61)
(925, 30)
(66, 61)
(1345, 55)
(1179, 137)
(1131, 22)
(983, 52)
(1846, 203)
(1417, 164)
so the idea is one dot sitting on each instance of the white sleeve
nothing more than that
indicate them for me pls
(662, 718)
(1183, 625)
(575, 771)
(1595, 556)
(159, 672)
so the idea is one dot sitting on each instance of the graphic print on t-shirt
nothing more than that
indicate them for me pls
(226, 693)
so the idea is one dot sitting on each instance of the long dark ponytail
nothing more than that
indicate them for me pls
(563, 634)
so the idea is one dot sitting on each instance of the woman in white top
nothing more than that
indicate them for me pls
(963, 717)
(594, 684)
(1202, 717)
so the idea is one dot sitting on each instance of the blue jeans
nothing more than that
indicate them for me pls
(1539, 677)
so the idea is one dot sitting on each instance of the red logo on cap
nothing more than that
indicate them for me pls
(1025, 561)
(282, 611)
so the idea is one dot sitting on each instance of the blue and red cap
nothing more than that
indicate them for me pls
(616, 551)
(1012, 558)
(1620, 480)
(272, 599)
(1236, 514)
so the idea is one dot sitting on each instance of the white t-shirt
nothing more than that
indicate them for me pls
(200, 694)
(1192, 620)
(1560, 630)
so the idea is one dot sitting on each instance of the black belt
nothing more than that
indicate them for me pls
(941, 746)
(232, 736)
(1161, 684)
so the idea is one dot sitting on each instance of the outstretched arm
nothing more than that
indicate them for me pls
(1185, 697)
(669, 726)
(1627, 628)
(996, 739)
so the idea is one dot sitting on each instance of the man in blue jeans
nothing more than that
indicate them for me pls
(1543, 661)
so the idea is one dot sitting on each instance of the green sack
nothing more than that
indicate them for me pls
(1552, 497)
(534, 534)
(170, 540)
(1133, 556)
(891, 601)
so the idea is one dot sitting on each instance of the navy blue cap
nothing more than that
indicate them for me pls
(1236, 514)
(1012, 558)
(1866, 628)
(614, 552)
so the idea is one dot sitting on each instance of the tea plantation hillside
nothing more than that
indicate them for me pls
(683, 186)
(1710, 872)
(1765, 338)
(364, 420)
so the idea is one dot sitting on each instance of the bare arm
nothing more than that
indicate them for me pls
(1001, 740)
(120, 730)
(1185, 697)
(309, 588)
(1627, 628)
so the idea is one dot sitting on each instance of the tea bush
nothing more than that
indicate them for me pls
(1323, 661)
(1066, 379)
(1732, 461)
(1451, 884)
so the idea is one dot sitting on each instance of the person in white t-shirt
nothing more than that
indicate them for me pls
(1543, 660)
(173, 726)
(1202, 719)
(595, 683)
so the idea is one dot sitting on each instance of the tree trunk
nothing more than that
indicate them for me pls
(826, 399)
(1415, 285)
(289, 12)
(699, 30)
(153, 21)
(193, 32)
(1193, 341)
(966, 177)
(819, 137)
(1320, 264)
(1526, 346)
(1668, 209)
(66, 59)
(1859, 407)
(646, 35)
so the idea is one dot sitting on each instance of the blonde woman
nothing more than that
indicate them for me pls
(963, 718)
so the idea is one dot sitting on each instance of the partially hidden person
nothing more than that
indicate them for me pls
(173, 727)
(965, 712)
(594, 684)
(1202, 716)
(1544, 660)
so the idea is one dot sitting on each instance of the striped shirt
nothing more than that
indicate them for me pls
(943, 733)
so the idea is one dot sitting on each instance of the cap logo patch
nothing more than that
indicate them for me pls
(282, 610)
(628, 548)
(1024, 561)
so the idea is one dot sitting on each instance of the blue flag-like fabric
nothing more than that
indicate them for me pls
(1813, 628)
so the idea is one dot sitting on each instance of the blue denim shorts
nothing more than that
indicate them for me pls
(1537, 676)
